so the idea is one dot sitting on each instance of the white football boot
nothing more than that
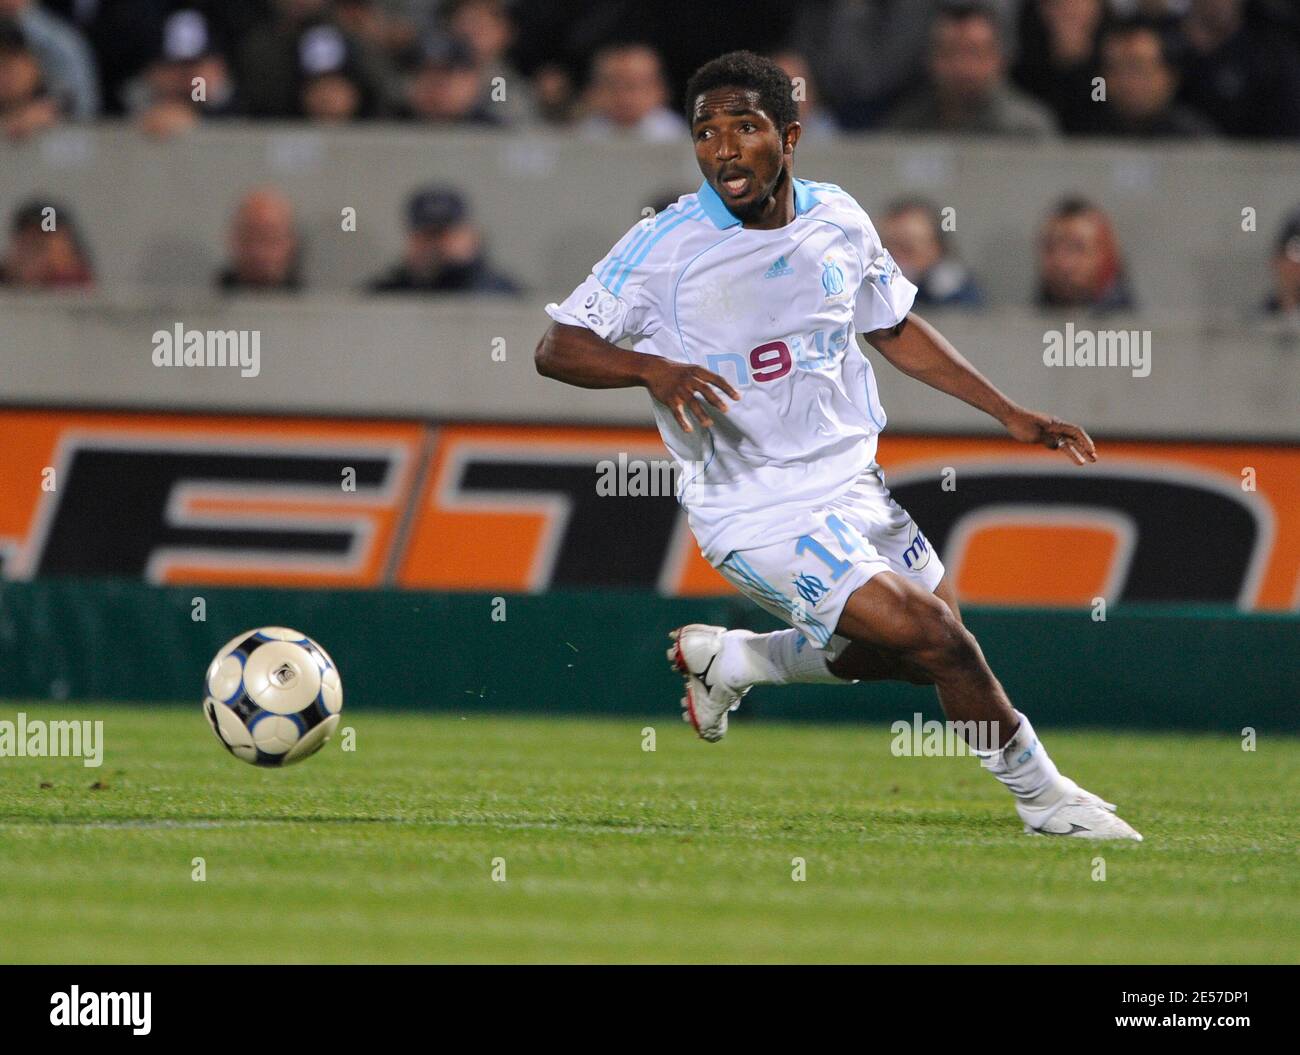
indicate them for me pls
(707, 700)
(1078, 813)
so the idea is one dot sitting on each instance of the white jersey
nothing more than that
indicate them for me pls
(776, 313)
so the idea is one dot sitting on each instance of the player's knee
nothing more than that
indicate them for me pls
(939, 642)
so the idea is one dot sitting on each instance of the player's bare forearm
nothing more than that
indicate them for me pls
(577, 356)
(920, 351)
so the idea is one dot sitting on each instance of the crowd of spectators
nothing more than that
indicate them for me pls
(1150, 70)
(444, 249)
(1079, 260)
(1032, 68)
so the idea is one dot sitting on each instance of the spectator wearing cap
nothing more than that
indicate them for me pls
(331, 85)
(46, 250)
(66, 63)
(447, 87)
(444, 250)
(25, 106)
(1285, 297)
(628, 96)
(1244, 76)
(303, 62)
(968, 90)
(1079, 260)
(263, 243)
(189, 80)
(913, 234)
(1141, 85)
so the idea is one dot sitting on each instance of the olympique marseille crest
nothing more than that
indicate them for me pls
(832, 278)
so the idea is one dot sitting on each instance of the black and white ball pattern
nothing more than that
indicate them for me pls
(273, 696)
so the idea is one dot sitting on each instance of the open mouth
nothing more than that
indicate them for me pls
(735, 184)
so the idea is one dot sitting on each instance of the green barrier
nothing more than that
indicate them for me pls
(602, 652)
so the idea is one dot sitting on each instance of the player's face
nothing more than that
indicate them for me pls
(739, 149)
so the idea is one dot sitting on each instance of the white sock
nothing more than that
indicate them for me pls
(1024, 766)
(783, 657)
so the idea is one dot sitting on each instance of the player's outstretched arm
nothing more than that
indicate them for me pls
(577, 356)
(920, 351)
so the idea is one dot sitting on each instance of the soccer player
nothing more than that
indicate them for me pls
(742, 302)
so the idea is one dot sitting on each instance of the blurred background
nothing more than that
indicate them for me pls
(377, 198)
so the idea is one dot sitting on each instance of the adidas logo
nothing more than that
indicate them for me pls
(778, 269)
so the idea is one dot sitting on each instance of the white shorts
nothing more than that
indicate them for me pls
(806, 581)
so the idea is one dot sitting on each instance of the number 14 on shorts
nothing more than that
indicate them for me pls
(847, 541)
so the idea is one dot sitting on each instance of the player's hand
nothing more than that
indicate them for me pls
(1029, 426)
(680, 386)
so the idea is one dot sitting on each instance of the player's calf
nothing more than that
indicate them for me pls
(863, 662)
(889, 612)
(902, 618)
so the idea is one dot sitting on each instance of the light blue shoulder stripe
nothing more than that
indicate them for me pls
(620, 276)
(826, 186)
(687, 204)
(634, 256)
(644, 232)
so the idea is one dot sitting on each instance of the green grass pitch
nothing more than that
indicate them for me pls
(616, 854)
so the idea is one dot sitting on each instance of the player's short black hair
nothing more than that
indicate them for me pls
(745, 69)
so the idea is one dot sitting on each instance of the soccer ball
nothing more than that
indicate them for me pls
(272, 696)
